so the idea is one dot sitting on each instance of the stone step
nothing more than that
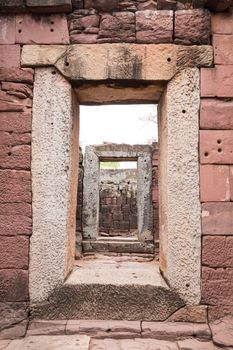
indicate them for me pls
(74, 342)
(111, 290)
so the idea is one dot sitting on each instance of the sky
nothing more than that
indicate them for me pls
(117, 123)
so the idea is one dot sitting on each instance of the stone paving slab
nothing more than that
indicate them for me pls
(69, 342)
(131, 344)
(222, 331)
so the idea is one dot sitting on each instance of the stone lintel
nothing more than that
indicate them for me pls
(105, 62)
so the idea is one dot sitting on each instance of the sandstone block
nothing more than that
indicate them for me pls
(216, 114)
(15, 186)
(154, 26)
(118, 27)
(195, 314)
(31, 29)
(9, 56)
(146, 5)
(14, 285)
(16, 157)
(83, 38)
(11, 225)
(217, 82)
(24, 75)
(215, 183)
(24, 209)
(11, 139)
(222, 331)
(47, 327)
(231, 182)
(104, 329)
(14, 252)
(12, 313)
(49, 6)
(25, 90)
(174, 331)
(126, 344)
(217, 286)
(102, 5)
(62, 342)
(216, 146)
(7, 29)
(217, 219)
(15, 331)
(192, 27)
(222, 23)
(193, 344)
(217, 251)
(166, 4)
(219, 312)
(223, 49)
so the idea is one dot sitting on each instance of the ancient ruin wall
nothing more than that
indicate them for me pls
(118, 202)
(216, 128)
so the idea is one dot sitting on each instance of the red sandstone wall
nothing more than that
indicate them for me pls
(216, 171)
(216, 141)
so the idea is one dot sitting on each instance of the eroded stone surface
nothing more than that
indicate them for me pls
(126, 344)
(180, 226)
(193, 344)
(51, 184)
(196, 314)
(222, 331)
(70, 342)
(97, 290)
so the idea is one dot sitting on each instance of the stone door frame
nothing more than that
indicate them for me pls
(93, 155)
(172, 72)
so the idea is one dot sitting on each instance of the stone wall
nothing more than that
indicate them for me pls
(216, 170)
(16, 88)
(118, 202)
(141, 24)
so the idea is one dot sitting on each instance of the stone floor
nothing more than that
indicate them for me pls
(123, 335)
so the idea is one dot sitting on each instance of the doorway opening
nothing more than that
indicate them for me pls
(116, 211)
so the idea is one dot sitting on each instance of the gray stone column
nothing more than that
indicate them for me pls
(54, 179)
(180, 223)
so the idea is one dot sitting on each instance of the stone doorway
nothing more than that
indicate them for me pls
(165, 77)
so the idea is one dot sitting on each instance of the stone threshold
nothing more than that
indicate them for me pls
(111, 288)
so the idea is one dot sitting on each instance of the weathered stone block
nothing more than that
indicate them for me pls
(223, 49)
(47, 327)
(193, 344)
(118, 27)
(12, 313)
(215, 183)
(9, 56)
(216, 146)
(24, 209)
(217, 219)
(222, 23)
(217, 251)
(49, 6)
(14, 252)
(174, 331)
(24, 75)
(166, 4)
(231, 182)
(216, 114)
(14, 139)
(219, 312)
(192, 27)
(126, 344)
(31, 29)
(12, 6)
(14, 285)
(217, 285)
(7, 29)
(217, 82)
(154, 26)
(222, 331)
(102, 5)
(16, 157)
(15, 186)
(195, 314)
(11, 225)
(15, 331)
